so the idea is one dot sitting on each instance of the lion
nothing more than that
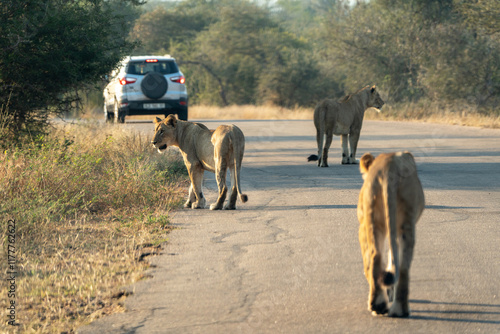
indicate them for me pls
(391, 201)
(343, 118)
(204, 149)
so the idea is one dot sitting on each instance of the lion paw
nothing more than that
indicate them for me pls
(215, 206)
(378, 305)
(397, 310)
(349, 161)
(198, 204)
(379, 309)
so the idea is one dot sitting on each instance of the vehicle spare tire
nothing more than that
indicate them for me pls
(154, 85)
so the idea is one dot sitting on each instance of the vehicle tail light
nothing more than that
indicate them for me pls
(151, 60)
(183, 103)
(180, 79)
(126, 81)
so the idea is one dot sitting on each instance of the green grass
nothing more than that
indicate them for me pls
(89, 201)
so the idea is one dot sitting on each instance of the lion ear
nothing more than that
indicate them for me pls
(365, 163)
(373, 88)
(157, 120)
(171, 120)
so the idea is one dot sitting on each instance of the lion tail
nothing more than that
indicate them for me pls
(390, 276)
(312, 157)
(238, 158)
(319, 124)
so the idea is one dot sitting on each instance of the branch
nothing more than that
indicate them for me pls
(211, 72)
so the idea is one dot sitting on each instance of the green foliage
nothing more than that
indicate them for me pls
(481, 15)
(381, 48)
(233, 49)
(462, 66)
(232, 52)
(51, 49)
(416, 49)
(161, 30)
(290, 80)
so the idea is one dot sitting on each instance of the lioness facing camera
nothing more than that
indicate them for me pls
(204, 149)
(390, 203)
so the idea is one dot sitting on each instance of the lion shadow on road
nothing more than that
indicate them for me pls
(310, 207)
(447, 207)
(458, 310)
(354, 206)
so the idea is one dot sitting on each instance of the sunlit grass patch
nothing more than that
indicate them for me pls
(89, 201)
(249, 112)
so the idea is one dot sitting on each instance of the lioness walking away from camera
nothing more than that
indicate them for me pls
(204, 149)
(342, 118)
(390, 203)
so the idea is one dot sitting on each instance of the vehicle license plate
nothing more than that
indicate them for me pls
(154, 105)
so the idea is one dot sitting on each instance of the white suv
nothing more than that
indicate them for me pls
(146, 85)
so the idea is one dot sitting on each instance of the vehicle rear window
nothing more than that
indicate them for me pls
(142, 67)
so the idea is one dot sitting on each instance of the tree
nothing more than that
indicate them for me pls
(258, 61)
(371, 44)
(415, 49)
(51, 49)
(162, 29)
(461, 65)
(481, 15)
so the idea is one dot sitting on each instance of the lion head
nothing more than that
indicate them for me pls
(164, 133)
(375, 101)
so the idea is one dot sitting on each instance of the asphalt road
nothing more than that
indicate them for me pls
(288, 261)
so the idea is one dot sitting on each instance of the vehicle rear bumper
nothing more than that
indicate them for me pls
(141, 107)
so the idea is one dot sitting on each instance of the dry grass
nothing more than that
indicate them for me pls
(432, 113)
(249, 112)
(89, 201)
(462, 115)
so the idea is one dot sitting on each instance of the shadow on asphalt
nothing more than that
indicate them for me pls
(309, 207)
(446, 207)
(433, 314)
(442, 176)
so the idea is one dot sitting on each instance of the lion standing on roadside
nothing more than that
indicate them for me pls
(342, 118)
(204, 149)
(390, 203)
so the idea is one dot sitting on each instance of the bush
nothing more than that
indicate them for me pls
(52, 49)
(86, 170)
